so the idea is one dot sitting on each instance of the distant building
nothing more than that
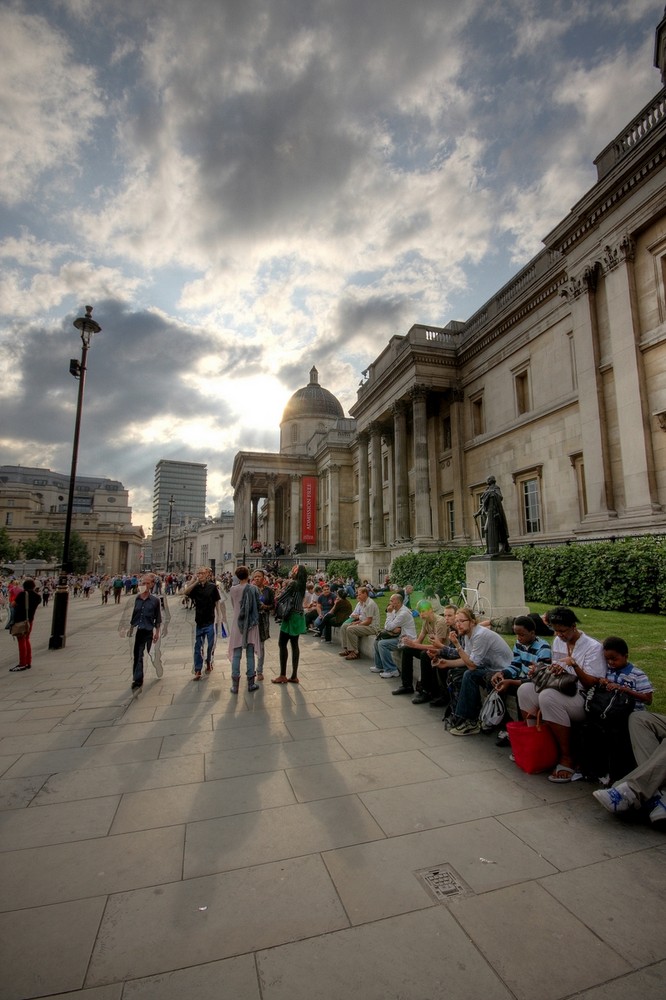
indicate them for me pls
(556, 386)
(32, 500)
(179, 498)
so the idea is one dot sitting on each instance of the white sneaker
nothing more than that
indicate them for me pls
(617, 800)
(376, 670)
(386, 674)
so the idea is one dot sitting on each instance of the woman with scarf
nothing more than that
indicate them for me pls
(244, 631)
(292, 624)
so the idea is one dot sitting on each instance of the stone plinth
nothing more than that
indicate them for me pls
(501, 583)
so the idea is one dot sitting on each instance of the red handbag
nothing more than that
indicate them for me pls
(534, 747)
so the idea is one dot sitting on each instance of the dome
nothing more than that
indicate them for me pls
(312, 401)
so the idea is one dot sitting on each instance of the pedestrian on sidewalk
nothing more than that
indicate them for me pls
(145, 626)
(292, 625)
(26, 603)
(244, 629)
(206, 599)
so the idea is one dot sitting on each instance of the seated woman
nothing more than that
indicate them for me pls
(573, 653)
(338, 614)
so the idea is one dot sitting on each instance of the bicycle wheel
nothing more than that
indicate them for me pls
(483, 608)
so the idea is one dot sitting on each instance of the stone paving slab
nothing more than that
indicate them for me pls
(197, 923)
(554, 954)
(56, 824)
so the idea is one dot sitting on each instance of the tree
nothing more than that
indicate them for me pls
(46, 545)
(8, 551)
(79, 556)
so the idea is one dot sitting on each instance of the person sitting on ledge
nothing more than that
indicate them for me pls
(399, 622)
(646, 784)
(434, 633)
(484, 653)
(364, 620)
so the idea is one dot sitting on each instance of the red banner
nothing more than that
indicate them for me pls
(309, 509)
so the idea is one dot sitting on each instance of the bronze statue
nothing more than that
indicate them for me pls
(492, 524)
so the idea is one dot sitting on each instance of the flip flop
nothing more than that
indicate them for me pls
(294, 680)
(570, 771)
(279, 680)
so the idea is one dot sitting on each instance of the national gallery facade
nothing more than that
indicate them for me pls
(556, 386)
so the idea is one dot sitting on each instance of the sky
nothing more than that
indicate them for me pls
(245, 188)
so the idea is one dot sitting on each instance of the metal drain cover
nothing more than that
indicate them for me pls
(443, 882)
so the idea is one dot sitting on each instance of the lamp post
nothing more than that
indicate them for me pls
(244, 544)
(86, 326)
(168, 551)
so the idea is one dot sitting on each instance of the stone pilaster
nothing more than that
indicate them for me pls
(402, 531)
(377, 520)
(363, 492)
(423, 520)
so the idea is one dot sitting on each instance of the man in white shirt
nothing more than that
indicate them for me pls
(399, 621)
(364, 621)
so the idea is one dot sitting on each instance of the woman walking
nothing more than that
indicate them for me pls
(244, 631)
(292, 625)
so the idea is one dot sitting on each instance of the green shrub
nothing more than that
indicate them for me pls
(343, 568)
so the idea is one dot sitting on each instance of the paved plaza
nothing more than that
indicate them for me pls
(310, 842)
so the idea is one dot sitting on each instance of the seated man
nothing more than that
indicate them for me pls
(339, 613)
(312, 610)
(646, 784)
(433, 635)
(324, 605)
(483, 653)
(364, 621)
(399, 621)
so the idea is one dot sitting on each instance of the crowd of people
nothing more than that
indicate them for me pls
(461, 661)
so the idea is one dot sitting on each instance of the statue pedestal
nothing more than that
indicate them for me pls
(502, 583)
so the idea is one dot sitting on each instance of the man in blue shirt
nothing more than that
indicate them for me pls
(146, 620)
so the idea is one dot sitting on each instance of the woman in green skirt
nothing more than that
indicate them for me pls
(292, 625)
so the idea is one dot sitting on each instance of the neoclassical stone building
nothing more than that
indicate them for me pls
(556, 386)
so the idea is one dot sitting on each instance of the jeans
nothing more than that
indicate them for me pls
(143, 640)
(383, 650)
(249, 660)
(203, 634)
(469, 699)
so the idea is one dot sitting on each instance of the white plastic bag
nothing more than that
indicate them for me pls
(492, 711)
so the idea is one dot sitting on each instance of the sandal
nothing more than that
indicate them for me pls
(260, 677)
(197, 677)
(344, 652)
(279, 680)
(294, 680)
(353, 655)
(562, 774)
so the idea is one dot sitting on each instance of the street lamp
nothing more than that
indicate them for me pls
(168, 551)
(244, 544)
(86, 326)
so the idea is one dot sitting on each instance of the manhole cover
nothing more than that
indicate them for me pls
(443, 882)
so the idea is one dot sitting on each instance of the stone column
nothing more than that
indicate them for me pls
(462, 529)
(423, 520)
(377, 521)
(363, 492)
(295, 510)
(387, 439)
(640, 488)
(401, 476)
(598, 476)
(271, 509)
(334, 508)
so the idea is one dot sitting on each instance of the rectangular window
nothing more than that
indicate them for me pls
(446, 434)
(478, 419)
(9, 517)
(531, 506)
(521, 386)
(386, 469)
(450, 520)
(579, 472)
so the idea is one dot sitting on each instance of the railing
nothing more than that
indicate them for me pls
(644, 123)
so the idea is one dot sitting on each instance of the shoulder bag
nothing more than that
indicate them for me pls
(22, 628)
(545, 678)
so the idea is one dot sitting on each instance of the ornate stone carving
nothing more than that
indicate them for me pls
(622, 252)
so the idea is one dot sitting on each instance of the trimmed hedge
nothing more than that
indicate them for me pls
(343, 568)
(626, 575)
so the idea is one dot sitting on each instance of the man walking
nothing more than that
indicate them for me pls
(206, 599)
(146, 621)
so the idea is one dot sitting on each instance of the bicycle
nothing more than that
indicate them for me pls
(469, 597)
